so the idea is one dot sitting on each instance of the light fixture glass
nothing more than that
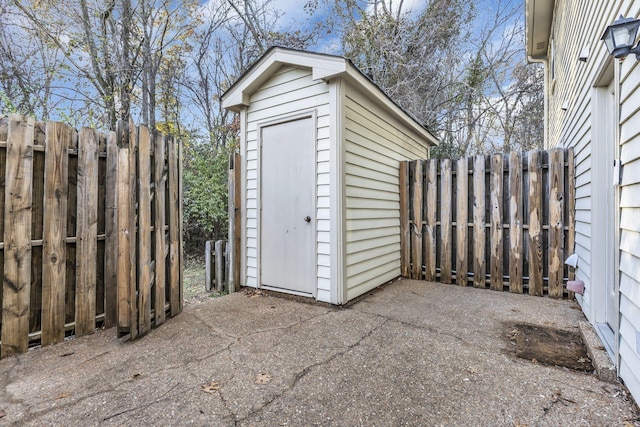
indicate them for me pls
(620, 36)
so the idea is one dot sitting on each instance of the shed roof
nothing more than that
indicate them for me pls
(323, 66)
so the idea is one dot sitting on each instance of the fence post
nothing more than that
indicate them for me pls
(234, 222)
(219, 266)
(227, 273)
(207, 265)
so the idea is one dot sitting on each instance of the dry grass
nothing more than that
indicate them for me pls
(194, 284)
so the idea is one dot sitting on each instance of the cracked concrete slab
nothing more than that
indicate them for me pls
(410, 353)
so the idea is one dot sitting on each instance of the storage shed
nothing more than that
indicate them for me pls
(320, 148)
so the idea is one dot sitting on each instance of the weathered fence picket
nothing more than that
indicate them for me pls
(515, 223)
(512, 226)
(84, 231)
(535, 224)
(17, 236)
(479, 231)
(429, 248)
(405, 229)
(462, 220)
(416, 232)
(235, 193)
(496, 200)
(54, 257)
(445, 221)
(218, 266)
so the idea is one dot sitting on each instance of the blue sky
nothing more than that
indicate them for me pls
(295, 15)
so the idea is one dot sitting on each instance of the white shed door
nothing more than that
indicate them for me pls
(287, 184)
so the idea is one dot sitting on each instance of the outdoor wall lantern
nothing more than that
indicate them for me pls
(620, 37)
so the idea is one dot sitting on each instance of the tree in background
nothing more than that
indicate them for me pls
(412, 55)
(469, 86)
(31, 66)
(166, 63)
(232, 36)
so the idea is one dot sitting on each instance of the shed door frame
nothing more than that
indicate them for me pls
(310, 114)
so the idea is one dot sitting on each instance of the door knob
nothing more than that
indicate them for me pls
(307, 218)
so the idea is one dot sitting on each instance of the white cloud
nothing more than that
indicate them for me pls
(408, 6)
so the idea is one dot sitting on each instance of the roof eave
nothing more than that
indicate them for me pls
(237, 96)
(539, 20)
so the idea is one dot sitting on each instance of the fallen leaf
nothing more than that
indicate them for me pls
(253, 293)
(262, 379)
(2, 413)
(212, 387)
(63, 395)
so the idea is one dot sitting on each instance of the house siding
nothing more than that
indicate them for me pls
(374, 144)
(629, 225)
(289, 91)
(571, 84)
(576, 23)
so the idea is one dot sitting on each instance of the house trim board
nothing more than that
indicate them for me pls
(243, 199)
(337, 209)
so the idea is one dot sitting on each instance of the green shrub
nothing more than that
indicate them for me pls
(205, 195)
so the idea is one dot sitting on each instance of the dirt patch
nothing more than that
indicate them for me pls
(550, 346)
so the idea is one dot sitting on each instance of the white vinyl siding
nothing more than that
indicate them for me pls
(629, 224)
(374, 144)
(289, 91)
(576, 23)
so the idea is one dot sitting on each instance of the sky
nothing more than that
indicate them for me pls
(294, 15)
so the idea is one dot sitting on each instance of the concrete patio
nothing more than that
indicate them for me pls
(410, 353)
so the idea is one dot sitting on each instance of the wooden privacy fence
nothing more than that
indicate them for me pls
(91, 231)
(504, 222)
